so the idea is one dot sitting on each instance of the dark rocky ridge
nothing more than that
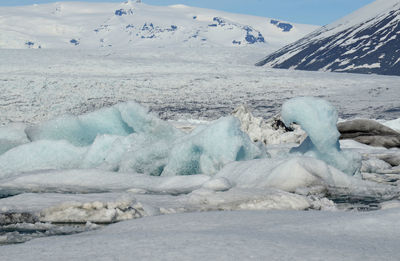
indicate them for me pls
(373, 46)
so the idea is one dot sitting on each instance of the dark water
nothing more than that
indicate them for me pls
(346, 202)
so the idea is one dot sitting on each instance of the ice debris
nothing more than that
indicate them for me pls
(12, 136)
(302, 175)
(369, 132)
(127, 138)
(319, 118)
(272, 131)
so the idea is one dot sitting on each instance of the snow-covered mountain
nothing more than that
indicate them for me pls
(123, 25)
(366, 41)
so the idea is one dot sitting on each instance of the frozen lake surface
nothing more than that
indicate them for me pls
(206, 83)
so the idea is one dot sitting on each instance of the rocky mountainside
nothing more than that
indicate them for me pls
(366, 41)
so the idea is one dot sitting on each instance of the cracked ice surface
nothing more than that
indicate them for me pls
(177, 84)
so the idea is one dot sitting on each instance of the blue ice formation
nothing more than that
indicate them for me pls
(12, 136)
(121, 120)
(208, 149)
(319, 118)
(128, 138)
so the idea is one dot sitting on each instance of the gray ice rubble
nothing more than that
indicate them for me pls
(370, 132)
(272, 131)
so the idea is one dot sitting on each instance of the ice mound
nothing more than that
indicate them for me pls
(12, 136)
(121, 120)
(127, 138)
(206, 150)
(96, 211)
(319, 118)
(374, 165)
(95, 180)
(268, 132)
(248, 199)
(43, 154)
(69, 208)
(302, 175)
(284, 174)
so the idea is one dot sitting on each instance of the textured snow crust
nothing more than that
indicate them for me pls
(39, 85)
(228, 235)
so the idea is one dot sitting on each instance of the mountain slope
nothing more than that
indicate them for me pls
(367, 41)
(105, 25)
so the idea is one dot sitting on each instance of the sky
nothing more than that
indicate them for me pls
(318, 12)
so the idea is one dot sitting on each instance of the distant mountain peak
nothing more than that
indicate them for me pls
(132, 23)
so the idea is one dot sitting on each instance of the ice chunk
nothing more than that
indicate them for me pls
(128, 138)
(318, 118)
(248, 199)
(301, 172)
(271, 131)
(288, 175)
(217, 184)
(374, 165)
(72, 208)
(12, 136)
(206, 150)
(39, 155)
(141, 120)
(121, 119)
(81, 130)
(146, 154)
(96, 211)
(95, 180)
